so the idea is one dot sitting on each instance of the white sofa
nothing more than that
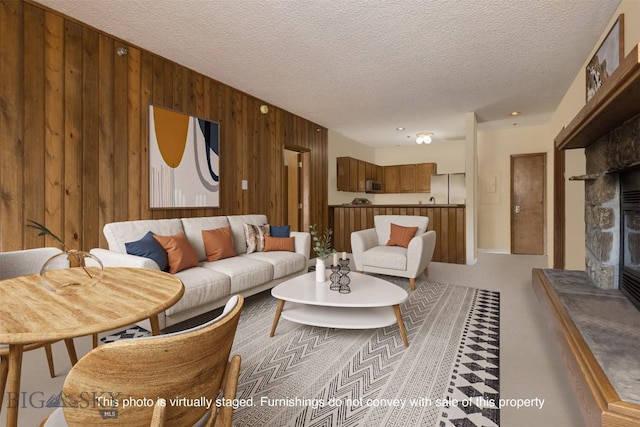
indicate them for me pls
(210, 284)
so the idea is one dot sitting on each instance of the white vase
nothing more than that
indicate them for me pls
(320, 270)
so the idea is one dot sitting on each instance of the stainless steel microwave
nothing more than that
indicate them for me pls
(371, 186)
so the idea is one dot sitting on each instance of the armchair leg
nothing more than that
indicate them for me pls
(426, 271)
(49, 353)
(94, 337)
(412, 283)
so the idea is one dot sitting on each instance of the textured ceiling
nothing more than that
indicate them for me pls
(364, 67)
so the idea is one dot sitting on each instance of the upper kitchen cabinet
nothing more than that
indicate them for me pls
(423, 176)
(391, 179)
(407, 178)
(352, 174)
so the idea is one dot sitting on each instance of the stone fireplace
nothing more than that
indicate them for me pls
(612, 155)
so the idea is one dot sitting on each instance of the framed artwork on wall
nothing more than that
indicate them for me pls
(607, 58)
(184, 160)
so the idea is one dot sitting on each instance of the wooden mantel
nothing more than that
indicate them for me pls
(617, 101)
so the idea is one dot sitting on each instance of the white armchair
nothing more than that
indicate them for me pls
(371, 253)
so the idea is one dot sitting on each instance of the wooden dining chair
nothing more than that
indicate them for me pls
(20, 263)
(134, 375)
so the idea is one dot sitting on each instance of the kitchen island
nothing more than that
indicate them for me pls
(448, 221)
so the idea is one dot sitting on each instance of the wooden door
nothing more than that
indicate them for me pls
(528, 203)
(293, 192)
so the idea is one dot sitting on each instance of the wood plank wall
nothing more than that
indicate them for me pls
(74, 133)
(447, 221)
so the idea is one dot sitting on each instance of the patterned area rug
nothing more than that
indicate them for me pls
(313, 376)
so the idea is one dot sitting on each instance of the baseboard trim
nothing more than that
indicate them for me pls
(494, 251)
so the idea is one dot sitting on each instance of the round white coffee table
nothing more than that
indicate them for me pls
(372, 303)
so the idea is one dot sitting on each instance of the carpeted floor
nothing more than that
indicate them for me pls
(307, 376)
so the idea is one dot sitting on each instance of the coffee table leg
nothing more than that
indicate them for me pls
(403, 331)
(275, 319)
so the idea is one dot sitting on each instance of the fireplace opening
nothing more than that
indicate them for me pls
(630, 235)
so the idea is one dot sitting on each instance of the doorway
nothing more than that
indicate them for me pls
(296, 182)
(528, 203)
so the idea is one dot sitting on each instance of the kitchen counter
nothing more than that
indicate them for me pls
(448, 221)
(424, 205)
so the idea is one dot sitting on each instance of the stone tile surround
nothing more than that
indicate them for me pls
(616, 150)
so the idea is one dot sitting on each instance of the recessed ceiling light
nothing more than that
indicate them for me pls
(400, 128)
(514, 113)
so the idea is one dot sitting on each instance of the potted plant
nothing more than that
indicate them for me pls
(322, 248)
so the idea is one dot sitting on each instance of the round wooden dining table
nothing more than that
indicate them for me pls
(30, 314)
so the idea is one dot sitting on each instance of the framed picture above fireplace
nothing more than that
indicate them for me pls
(606, 59)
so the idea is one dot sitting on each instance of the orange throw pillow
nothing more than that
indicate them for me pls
(218, 243)
(180, 254)
(279, 244)
(401, 236)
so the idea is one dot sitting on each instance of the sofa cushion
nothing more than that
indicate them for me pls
(149, 247)
(391, 257)
(119, 233)
(279, 244)
(244, 272)
(180, 254)
(254, 235)
(401, 236)
(201, 286)
(237, 222)
(193, 230)
(284, 263)
(218, 243)
(280, 231)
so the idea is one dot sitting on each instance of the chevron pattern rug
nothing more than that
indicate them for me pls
(313, 376)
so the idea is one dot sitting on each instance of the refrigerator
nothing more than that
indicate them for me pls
(448, 189)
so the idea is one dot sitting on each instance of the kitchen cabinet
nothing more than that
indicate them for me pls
(423, 176)
(352, 174)
(407, 178)
(391, 179)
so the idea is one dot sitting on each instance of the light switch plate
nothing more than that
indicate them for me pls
(245, 184)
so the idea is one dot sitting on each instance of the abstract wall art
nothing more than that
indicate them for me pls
(184, 160)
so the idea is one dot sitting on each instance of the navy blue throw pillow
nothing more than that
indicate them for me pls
(149, 247)
(280, 230)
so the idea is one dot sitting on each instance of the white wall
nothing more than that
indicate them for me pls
(341, 146)
(572, 102)
(495, 148)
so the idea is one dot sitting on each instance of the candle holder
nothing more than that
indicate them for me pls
(335, 278)
(344, 278)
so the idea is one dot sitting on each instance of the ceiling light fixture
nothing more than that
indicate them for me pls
(400, 128)
(424, 138)
(514, 113)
